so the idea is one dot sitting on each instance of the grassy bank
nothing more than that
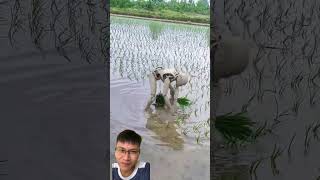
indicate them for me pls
(162, 14)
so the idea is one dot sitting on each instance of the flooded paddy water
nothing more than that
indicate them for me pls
(279, 89)
(176, 149)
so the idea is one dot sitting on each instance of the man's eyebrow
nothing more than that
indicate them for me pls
(120, 147)
(133, 149)
(128, 149)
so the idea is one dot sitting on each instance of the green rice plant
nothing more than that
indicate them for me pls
(180, 120)
(198, 138)
(275, 154)
(253, 167)
(235, 128)
(160, 102)
(184, 102)
(185, 131)
(207, 134)
(156, 28)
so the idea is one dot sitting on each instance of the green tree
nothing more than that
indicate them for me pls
(121, 3)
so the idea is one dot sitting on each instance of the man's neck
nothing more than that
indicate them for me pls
(127, 173)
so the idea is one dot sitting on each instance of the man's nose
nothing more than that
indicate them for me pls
(126, 156)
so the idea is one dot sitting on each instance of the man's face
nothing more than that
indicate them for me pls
(127, 155)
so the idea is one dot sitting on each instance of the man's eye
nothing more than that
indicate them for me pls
(123, 151)
(133, 152)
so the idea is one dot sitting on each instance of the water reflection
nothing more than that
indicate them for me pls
(235, 172)
(163, 124)
(280, 87)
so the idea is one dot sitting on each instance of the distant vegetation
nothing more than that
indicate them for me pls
(194, 11)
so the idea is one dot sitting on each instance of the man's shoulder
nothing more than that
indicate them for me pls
(143, 172)
(115, 175)
(115, 165)
(143, 164)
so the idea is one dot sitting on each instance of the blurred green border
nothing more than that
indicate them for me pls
(163, 14)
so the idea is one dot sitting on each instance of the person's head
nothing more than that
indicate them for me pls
(127, 150)
(157, 74)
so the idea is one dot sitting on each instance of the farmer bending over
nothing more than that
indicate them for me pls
(168, 77)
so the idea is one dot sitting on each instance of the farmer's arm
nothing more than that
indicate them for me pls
(153, 89)
(172, 91)
(166, 85)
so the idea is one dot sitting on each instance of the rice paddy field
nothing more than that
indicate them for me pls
(45, 59)
(53, 89)
(177, 146)
(279, 89)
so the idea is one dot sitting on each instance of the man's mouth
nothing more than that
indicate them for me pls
(125, 164)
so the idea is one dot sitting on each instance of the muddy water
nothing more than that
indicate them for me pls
(175, 151)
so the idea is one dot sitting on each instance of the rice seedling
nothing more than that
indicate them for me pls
(274, 156)
(16, 21)
(254, 166)
(36, 26)
(179, 121)
(72, 17)
(260, 91)
(315, 131)
(185, 131)
(296, 105)
(244, 107)
(207, 133)
(103, 38)
(313, 89)
(155, 28)
(229, 87)
(160, 101)
(91, 15)
(235, 128)
(282, 89)
(261, 131)
(290, 144)
(307, 139)
(183, 102)
(198, 138)
(84, 46)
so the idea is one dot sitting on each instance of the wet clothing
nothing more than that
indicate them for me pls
(141, 172)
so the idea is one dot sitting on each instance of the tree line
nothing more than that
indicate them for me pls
(185, 6)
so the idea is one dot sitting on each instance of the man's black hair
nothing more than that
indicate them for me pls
(129, 136)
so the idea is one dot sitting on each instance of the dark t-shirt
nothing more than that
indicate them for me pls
(141, 172)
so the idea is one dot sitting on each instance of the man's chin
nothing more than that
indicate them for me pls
(125, 167)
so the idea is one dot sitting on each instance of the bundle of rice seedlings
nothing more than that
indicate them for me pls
(235, 128)
(160, 102)
(184, 102)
